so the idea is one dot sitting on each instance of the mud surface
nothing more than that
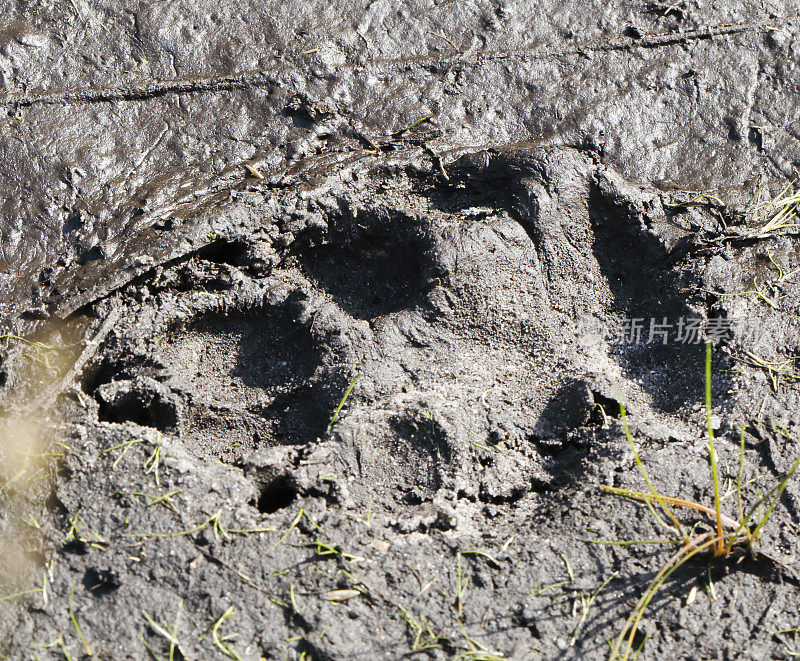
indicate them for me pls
(320, 305)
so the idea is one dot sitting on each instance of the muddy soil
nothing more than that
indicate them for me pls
(312, 318)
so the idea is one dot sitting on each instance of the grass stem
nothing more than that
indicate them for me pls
(712, 453)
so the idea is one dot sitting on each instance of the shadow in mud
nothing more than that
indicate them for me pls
(658, 350)
(241, 377)
(426, 441)
(273, 351)
(302, 415)
(278, 356)
(113, 366)
(142, 401)
(569, 408)
(557, 434)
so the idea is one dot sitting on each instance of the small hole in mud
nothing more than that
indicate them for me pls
(99, 583)
(232, 253)
(604, 405)
(412, 498)
(549, 447)
(277, 494)
(632, 32)
(75, 546)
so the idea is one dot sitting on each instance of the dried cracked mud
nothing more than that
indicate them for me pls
(310, 319)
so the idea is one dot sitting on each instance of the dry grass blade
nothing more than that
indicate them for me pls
(776, 370)
(686, 552)
(712, 453)
(785, 221)
(726, 521)
(656, 496)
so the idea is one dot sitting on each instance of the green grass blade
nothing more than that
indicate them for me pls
(712, 452)
(347, 392)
